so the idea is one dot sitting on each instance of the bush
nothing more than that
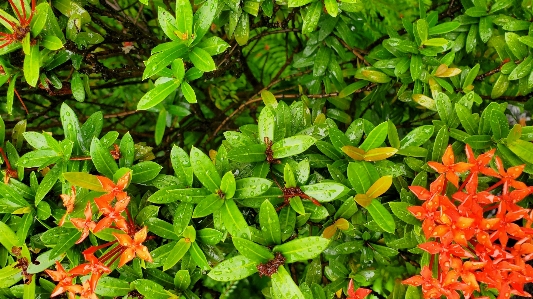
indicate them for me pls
(300, 149)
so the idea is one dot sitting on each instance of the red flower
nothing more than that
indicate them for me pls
(133, 247)
(85, 291)
(86, 224)
(431, 287)
(449, 168)
(359, 294)
(479, 164)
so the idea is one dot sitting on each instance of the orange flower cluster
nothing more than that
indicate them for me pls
(127, 245)
(474, 233)
(360, 293)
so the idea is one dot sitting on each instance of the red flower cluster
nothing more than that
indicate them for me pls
(473, 231)
(112, 206)
(19, 30)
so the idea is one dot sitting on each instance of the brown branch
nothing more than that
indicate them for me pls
(354, 51)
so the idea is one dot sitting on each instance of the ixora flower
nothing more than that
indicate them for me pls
(474, 249)
(112, 206)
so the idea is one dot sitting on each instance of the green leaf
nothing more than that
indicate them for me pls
(479, 141)
(441, 142)
(176, 254)
(242, 30)
(182, 280)
(444, 28)
(112, 287)
(8, 238)
(228, 185)
(332, 7)
(251, 187)
(348, 90)
(266, 125)
(518, 49)
(102, 159)
(500, 87)
(161, 228)
(252, 251)
(203, 18)
(150, 289)
(204, 170)
(65, 243)
(9, 276)
(269, 222)
(324, 192)
(361, 176)
(302, 249)
(476, 11)
(210, 236)
(292, 146)
(167, 23)
(523, 149)
(381, 216)
(283, 286)
(202, 60)
(39, 19)
(376, 137)
(214, 45)
(160, 126)
(248, 153)
(144, 171)
(158, 94)
(52, 42)
(208, 205)
(76, 83)
(48, 182)
(298, 3)
(234, 220)
(37, 158)
(83, 180)
(184, 17)
(400, 210)
(467, 120)
(181, 165)
(199, 257)
(31, 65)
(172, 194)
(499, 124)
(312, 17)
(11, 94)
(161, 60)
(234, 268)
(188, 92)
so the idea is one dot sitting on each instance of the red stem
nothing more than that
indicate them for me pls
(113, 260)
(5, 159)
(16, 9)
(13, 25)
(23, 23)
(111, 253)
(463, 185)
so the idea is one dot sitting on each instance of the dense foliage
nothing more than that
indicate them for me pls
(268, 149)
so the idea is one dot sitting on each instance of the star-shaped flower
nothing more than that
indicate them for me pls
(449, 168)
(133, 247)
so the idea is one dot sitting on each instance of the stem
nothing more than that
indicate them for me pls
(111, 253)
(16, 9)
(463, 185)
(5, 159)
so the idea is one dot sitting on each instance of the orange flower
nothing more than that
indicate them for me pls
(449, 168)
(133, 247)
(68, 202)
(112, 214)
(93, 267)
(479, 164)
(86, 224)
(359, 294)
(85, 291)
(62, 277)
(112, 190)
